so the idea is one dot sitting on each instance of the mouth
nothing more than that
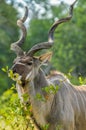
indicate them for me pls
(20, 79)
(25, 80)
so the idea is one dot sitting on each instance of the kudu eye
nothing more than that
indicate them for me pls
(30, 63)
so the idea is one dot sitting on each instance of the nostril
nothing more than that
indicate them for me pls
(14, 70)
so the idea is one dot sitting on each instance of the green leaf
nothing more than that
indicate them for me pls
(4, 70)
(40, 97)
(51, 89)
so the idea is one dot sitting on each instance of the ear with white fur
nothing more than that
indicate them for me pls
(45, 58)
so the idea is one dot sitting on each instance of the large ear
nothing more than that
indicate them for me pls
(45, 58)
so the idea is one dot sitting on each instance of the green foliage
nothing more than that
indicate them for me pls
(45, 127)
(5, 69)
(69, 47)
(14, 76)
(13, 115)
(8, 34)
(40, 97)
(51, 89)
(37, 32)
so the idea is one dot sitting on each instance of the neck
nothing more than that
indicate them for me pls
(40, 80)
(38, 83)
(38, 105)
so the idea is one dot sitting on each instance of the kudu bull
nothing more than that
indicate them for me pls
(66, 107)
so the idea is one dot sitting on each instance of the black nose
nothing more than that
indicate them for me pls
(14, 70)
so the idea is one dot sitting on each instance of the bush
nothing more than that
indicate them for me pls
(13, 115)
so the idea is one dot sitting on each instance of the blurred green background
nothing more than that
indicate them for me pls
(69, 50)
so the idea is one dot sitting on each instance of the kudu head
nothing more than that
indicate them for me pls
(26, 64)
